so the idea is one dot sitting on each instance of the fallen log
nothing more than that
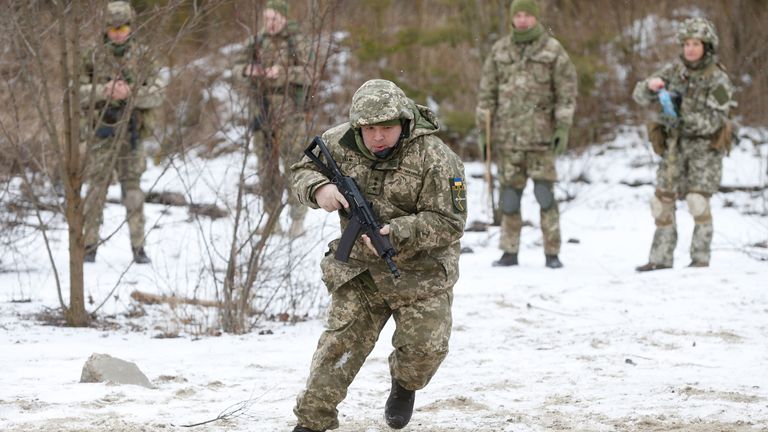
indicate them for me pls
(152, 299)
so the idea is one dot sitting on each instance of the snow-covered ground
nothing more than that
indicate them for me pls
(591, 347)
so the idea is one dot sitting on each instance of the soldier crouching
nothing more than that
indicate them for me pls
(415, 185)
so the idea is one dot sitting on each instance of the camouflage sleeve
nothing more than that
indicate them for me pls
(488, 91)
(243, 58)
(642, 95)
(89, 90)
(298, 73)
(566, 89)
(152, 90)
(438, 222)
(296, 70)
(711, 115)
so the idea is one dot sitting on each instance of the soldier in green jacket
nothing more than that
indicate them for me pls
(120, 88)
(528, 93)
(275, 64)
(691, 143)
(415, 184)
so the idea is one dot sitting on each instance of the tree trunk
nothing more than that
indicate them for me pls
(69, 149)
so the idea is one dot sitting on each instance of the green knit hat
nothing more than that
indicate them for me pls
(280, 6)
(529, 6)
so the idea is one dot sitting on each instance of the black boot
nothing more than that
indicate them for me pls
(399, 407)
(90, 253)
(553, 262)
(651, 267)
(507, 259)
(139, 256)
(304, 429)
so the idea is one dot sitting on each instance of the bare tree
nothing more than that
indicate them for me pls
(41, 31)
(42, 83)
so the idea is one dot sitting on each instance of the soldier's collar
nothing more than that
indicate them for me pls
(702, 64)
(121, 49)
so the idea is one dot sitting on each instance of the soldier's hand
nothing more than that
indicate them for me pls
(483, 147)
(329, 198)
(117, 90)
(367, 240)
(559, 140)
(655, 84)
(272, 72)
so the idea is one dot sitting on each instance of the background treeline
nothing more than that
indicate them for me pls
(435, 48)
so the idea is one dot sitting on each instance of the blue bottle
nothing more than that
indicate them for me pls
(666, 103)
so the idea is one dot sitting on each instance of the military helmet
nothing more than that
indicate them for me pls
(119, 13)
(698, 28)
(378, 101)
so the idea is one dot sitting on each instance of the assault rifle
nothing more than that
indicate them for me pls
(362, 219)
(112, 115)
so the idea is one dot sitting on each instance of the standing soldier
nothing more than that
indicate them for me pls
(275, 64)
(528, 91)
(119, 89)
(415, 184)
(691, 137)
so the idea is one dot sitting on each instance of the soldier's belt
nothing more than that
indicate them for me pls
(694, 136)
(289, 90)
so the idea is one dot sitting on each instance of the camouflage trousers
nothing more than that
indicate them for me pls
(104, 158)
(283, 138)
(357, 315)
(689, 170)
(515, 168)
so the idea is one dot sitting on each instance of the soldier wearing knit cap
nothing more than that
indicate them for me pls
(274, 66)
(528, 94)
(280, 6)
(529, 6)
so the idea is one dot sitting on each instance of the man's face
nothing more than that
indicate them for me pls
(522, 20)
(274, 21)
(119, 34)
(381, 138)
(693, 49)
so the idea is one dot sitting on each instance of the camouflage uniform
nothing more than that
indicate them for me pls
(529, 89)
(691, 162)
(112, 130)
(415, 191)
(275, 104)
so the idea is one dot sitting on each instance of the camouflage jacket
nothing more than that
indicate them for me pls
(414, 190)
(99, 66)
(288, 50)
(706, 96)
(529, 89)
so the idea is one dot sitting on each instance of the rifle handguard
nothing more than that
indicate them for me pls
(362, 219)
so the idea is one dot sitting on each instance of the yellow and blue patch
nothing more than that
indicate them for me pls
(458, 194)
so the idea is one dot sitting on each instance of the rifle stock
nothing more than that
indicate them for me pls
(362, 219)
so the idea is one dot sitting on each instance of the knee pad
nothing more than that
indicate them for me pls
(543, 191)
(510, 200)
(698, 205)
(662, 210)
(133, 199)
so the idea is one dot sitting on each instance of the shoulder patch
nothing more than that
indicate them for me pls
(458, 194)
(721, 95)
